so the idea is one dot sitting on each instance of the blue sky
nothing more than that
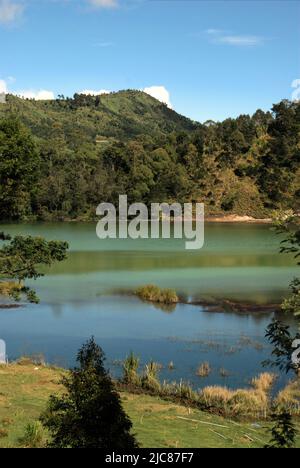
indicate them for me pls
(214, 58)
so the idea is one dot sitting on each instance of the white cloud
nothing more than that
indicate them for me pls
(103, 3)
(160, 93)
(41, 95)
(240, 40)
(3, 87)
(218, 36)
(10, 11)
(91, 92)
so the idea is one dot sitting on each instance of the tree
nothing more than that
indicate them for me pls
(89, 414)
(19, 163)
(279, 165)
(278, 334)
(283, 431)
(22, 257)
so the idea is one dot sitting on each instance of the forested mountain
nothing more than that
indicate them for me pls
(60, 159)
(120, 116)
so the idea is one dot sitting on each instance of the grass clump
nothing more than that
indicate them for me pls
(33, 436)
(34, 359)
(263, 382)
(204, 370)
(289, 397)
(153, 293)
(150, 379)
(252, 402)
(130, 369)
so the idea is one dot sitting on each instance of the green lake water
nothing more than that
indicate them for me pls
(85, 296)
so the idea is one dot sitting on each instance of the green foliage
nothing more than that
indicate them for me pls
(291, 305)
(277, 333)
(21, 258)
(68, 155)
(283, 431)
(19, 164)
(89, 414)
(281, 340)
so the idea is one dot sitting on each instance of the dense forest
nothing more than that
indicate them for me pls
(59, 159)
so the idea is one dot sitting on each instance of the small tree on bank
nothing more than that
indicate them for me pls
(90, 413)
(22, 258)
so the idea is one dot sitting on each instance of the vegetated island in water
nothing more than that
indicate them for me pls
(155, 294)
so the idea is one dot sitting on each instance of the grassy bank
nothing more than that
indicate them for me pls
(25, 388)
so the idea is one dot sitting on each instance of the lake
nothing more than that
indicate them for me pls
(87, 295)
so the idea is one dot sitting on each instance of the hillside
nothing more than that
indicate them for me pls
(74, 153)
(122, 115)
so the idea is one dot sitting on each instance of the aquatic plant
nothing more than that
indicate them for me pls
(153, 293)
(204, 370)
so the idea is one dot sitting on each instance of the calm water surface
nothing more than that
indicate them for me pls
(84, 296)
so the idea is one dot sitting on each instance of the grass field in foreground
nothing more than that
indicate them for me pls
(24, 390)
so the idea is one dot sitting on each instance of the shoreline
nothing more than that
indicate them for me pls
(226, 218)
(213, 305)
(237, 219)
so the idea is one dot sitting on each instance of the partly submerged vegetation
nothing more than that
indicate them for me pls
(253, 402)
(203, 370)
(158, 295)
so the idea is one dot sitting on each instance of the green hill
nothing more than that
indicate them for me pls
(59, 159)
(122, 115)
